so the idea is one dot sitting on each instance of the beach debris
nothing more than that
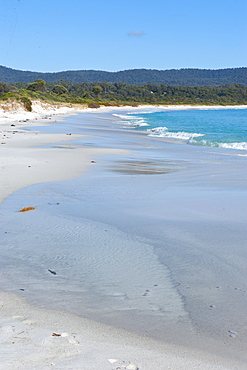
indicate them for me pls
(131, 367)
(232, 333)
(146, 293)
(52, 272)
(71, 339)
(113, 360)
(119, 364)
(26, 209)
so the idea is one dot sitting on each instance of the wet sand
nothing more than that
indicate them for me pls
(152, 213)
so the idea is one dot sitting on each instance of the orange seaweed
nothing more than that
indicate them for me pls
(25, 209)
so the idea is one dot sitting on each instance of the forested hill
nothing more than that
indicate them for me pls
(172, 77)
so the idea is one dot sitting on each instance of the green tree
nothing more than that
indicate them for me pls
(97, 90)
(27, 103)
(4, 88)
(38, 85)
(59, 90)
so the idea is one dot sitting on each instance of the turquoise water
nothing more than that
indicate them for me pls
(225, 128)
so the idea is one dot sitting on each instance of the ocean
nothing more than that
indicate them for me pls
(151, 240)
(224, 128)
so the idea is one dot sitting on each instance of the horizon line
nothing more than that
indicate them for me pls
(123, 70)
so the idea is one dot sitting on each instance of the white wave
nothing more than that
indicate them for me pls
(124, 116)
(239, 146)
(236, 146)
(162, 132)
(152, 110)
(157, 131)
(136, 123)
(139, 123)
(132, 121)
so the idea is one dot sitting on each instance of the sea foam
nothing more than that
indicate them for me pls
(131, 121)
(239, 146)
(163, 132)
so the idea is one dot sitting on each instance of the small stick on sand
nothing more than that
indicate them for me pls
(52, 272)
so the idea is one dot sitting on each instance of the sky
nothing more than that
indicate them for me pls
(115, 35)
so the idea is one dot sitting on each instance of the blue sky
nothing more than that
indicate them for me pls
(114, 35)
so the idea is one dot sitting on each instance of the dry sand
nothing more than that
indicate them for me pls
(26, 158)
(34, 338)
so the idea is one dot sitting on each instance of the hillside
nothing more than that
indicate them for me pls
(173, 77)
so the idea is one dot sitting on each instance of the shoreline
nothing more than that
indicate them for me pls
(13, 133)
(15, 111)
(27, 159)
(27, 148)
(36, 338)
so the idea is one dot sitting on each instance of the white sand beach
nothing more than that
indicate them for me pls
(33, 338)
(42, 338)
(24, 158)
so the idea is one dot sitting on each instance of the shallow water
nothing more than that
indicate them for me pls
(153, 241)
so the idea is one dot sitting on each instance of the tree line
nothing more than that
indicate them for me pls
(120, 93)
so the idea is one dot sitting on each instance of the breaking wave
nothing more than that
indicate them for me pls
(131, 121)
(163, 132)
